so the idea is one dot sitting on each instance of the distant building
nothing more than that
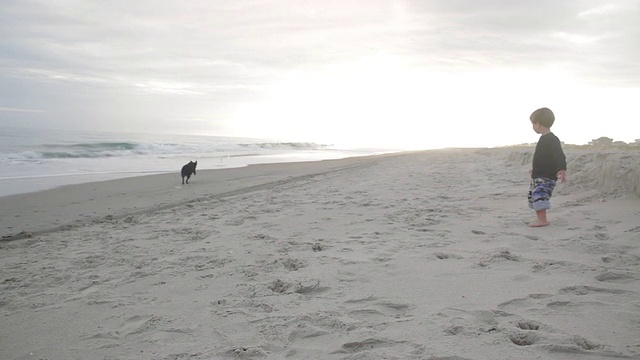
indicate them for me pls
(602, 141)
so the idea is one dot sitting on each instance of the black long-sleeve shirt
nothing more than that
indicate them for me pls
(548, 158)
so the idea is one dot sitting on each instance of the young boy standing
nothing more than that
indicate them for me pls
(549, 165)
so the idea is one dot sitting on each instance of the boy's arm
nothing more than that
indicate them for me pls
(561, 162)
(562, 176)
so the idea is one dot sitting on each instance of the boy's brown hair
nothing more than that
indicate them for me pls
(543, 116)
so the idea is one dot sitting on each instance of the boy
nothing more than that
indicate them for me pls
(549, 165)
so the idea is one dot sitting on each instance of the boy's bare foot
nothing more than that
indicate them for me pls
(542, 219)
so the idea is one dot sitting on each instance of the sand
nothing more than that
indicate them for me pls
(421, 255)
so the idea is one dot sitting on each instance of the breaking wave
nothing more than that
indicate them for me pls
(119, 149)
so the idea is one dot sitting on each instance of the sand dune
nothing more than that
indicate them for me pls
(611, 172)
(420, 255)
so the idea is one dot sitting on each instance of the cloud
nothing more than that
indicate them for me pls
(8, 109)
(599, 11)
(136, 61)
(256, 41)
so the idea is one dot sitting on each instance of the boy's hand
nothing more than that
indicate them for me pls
(562, 176)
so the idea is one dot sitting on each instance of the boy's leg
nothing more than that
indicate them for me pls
(542, 219)
(539, 197)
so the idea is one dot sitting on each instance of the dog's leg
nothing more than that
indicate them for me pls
(183, 180)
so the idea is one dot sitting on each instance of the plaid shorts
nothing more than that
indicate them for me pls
(540, 192)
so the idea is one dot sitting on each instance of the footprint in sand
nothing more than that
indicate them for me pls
(568, 301)
(524, 338)
(499, 255)
(528, 303)
(549, 265)
(375, 311)
(622, 260)
(634, 229)
(292, 264)
(505, 326)
(380, 348)
(584, 290)
(135, 325)
(305, 331)
(559, 343)
(445, 256)
(138, 324)
(305, 287)
(367, 344)
(246, 352)
(528, 325)
(468, 323)
(318, 247)
(618, 277)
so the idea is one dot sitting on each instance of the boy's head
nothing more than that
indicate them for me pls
(543, 116)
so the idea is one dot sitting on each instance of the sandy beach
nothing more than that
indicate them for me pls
(421, 255)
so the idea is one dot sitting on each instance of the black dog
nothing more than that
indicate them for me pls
(188, 169)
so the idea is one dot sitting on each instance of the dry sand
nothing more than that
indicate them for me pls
(413, 256)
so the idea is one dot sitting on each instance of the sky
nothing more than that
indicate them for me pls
(412, 74)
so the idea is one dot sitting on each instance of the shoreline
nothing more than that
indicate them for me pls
(22, 215)
(65, 206)
(82, 170)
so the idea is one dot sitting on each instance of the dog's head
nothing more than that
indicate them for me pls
(194, 166)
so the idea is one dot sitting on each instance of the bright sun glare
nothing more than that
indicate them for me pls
(387, 101)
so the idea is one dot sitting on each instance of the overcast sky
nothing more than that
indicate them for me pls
(417, 74)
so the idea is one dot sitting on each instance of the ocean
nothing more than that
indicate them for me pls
(38, 159)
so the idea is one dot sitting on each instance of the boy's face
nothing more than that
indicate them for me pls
(536, 127)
